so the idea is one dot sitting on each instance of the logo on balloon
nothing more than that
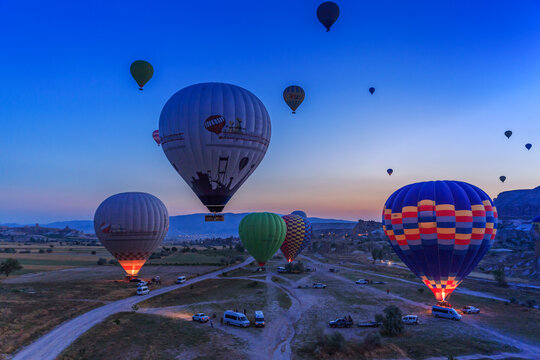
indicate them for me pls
(215, 124)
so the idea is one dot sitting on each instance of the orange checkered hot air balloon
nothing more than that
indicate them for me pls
(298, 236)
(131, 225)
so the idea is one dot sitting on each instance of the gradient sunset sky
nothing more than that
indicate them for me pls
(450, 78)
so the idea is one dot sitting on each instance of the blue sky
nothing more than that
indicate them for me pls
(450, 78)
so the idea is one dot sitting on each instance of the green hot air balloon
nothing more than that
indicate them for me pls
(141, 71)
(262, 235)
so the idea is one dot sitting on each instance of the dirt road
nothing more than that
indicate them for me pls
(53, 343)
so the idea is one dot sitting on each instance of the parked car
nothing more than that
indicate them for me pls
(470, 310)
(410, 319)
(319, 286)
(259, 318)
(142, 283)
(340, 323)
(200, 317)
(362, 281)
(142, 290)
(235, 318)
(445, 312)
(281, 269)
(369, 324)
(180, 279)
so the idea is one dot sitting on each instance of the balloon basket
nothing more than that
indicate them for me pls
(214, 217)
(130, 278)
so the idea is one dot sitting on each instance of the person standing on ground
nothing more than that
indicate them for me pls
(222, 321)
(211, 323)
(387, 291)
(244, 311)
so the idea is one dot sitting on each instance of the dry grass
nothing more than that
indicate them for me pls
(139, 336)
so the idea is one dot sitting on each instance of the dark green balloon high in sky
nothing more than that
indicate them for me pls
(141, 71)
(262, 235)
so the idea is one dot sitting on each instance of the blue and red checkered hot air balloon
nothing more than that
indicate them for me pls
(440, 230)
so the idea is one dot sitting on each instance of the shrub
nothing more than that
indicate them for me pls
(134, 307)
(93, 252)
(117, 321)
(41, 251)
(10, 265)
(252, 284)
(530, 303)
(372, 340)
(392, 322)
(500, 276)
(113, 262)
(421, 290)
(49, 251)
(174, 249)
(102, 261)
(333, 343)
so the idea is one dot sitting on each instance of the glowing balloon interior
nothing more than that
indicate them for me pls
(440, 230)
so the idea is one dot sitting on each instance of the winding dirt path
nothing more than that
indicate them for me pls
(49, 346)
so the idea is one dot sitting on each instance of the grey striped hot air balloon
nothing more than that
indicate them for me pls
(131, 225)
(214, 135)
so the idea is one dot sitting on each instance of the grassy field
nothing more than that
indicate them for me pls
(207, 290)
(138, 336)
(29, 310)
(202, 257)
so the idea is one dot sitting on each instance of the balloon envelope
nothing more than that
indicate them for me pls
(155, 135)
(298, 236)
(142, 71)
(300, 213)
(293, 96)
(440, 230)
(131, 225)
(502, 178)
(214, 135)
(508, 133)
(262, 234)
(389, 171)
(371, 90)
(328, 13)
(528, 146)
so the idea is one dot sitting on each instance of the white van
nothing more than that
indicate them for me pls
(410, 319)
(234, 318)
(142, 290)
(181, 280)
(259, 318)
(445, 312)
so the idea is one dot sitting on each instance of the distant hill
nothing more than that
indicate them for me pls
(518, 204)
(193, 225)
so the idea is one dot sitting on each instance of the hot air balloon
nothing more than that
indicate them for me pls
(389, 171)
(328, 13)
(155, 135)
(293, 96)
(262, 234)
(300, 213)
(440, 230)
(502, 178)
(214, 136)
(371, 90)
(528, 146)
(131, 225)
(298, 236)
(508, 133)
(141, 71)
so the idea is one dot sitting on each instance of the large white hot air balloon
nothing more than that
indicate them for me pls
(131, 225)
(214, 135)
